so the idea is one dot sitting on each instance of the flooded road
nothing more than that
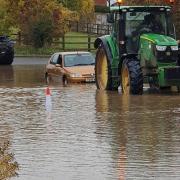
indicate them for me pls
(89, 134)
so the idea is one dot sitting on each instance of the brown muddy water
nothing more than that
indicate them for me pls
(89, 134)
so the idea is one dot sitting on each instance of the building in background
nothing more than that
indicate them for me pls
(101, 10)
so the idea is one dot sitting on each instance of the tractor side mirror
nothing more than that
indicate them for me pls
(110, 18)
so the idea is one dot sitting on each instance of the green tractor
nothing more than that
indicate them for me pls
(142, 48)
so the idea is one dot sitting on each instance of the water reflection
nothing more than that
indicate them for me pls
(22, 75)
(142, 131)
(105, 102)
(6, 75)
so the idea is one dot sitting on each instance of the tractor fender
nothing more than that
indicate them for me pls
(102, 41)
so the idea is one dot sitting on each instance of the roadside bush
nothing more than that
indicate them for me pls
(42, 33)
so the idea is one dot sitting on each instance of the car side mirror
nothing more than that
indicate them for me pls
(110, 18)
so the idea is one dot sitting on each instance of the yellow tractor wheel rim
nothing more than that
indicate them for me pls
(125, 80)
(102, 71)
(104, 76)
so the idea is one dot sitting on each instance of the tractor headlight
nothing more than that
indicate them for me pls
(161, 48)
(174, 48)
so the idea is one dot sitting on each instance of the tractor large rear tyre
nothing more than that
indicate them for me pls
(131, 77)
(102, 70)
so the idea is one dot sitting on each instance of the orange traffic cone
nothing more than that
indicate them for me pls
(48, 100)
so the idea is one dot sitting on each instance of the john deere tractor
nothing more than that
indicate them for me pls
(141, 48)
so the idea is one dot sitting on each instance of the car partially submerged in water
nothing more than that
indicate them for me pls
(71, 67)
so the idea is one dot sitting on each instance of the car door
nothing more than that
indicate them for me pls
(52, 70)
(59, 66)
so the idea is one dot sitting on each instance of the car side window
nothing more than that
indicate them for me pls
(54, 59)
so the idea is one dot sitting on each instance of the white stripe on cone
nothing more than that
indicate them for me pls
(48, 100)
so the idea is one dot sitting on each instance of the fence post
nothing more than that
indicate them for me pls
(19, 37)
(77, 26)
(97, 28)
(108, 29)
(89, 43)
(63, 42)
(87, 28)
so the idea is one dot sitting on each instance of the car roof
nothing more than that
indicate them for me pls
(72, 52)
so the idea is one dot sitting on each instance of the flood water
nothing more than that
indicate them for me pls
(89, 134)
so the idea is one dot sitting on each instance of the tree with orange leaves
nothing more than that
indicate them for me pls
(39, 20)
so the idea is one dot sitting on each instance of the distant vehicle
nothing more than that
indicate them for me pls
(6, 50)
(71, 67)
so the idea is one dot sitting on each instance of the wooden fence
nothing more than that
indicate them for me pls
(90, 28)
(66, 43)
(83, 42)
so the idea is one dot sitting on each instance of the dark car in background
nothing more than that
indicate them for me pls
(6, 50)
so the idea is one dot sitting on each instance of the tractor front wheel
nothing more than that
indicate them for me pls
(102, 70)
(131, 77)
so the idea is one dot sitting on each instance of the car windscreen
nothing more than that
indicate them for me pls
(78, 60)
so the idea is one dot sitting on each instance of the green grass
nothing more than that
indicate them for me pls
(77, 38)
(73, 41)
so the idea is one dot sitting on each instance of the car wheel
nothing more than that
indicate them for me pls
(65, 81)
(10, 59)
(7, 59)
(178, 89)
(47, 78)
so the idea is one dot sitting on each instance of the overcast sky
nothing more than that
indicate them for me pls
(113, 1)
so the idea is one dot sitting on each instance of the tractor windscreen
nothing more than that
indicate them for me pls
(138, 23)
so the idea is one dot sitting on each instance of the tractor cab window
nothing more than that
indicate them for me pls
(138, 23)
(171, 27)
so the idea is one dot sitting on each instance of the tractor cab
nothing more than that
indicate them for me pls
(132, 22)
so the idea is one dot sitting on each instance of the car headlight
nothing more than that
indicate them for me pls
(174, 48)
(161, 48)
(75, 75)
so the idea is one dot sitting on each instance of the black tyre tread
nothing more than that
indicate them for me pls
(65, 81)
(136, 76)
(178, 89)
(109, 83)
(47, 78)
(7, 60)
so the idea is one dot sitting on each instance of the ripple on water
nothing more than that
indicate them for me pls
(91, 135)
